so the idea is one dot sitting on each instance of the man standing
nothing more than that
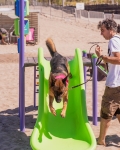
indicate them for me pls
(4, 36)
(110, 105)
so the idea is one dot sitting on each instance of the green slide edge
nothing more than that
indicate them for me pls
(74, 128)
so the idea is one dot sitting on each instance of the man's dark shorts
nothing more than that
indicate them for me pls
(110, 102)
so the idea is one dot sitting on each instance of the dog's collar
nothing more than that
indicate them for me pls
(61, 76)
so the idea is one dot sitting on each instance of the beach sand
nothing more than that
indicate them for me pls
(67, 35)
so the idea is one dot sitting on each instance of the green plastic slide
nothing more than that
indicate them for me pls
(54, 132)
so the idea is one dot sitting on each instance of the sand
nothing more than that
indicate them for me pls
(67, 35)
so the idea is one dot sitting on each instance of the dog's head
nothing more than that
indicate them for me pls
(59, 87)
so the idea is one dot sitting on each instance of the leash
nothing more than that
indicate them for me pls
(99, 60)
(97, 63)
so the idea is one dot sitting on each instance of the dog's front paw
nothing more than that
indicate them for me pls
(63, 114)
(53, 111)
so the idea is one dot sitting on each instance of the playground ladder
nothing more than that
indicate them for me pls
(36, 83)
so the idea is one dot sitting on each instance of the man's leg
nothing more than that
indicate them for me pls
(104, 125)
(3, 41)
(117, 114)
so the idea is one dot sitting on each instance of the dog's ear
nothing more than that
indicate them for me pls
(65, 80)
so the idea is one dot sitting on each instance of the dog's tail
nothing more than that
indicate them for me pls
(51, 46)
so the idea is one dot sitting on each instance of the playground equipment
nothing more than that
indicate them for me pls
(73, 131)
(17, 26)
(21, 28)
(36, 77)
(17, 20)
(86, 63)
(26, 63)
(17, 8)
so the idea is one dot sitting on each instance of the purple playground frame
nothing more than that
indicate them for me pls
(94, 86)
(22, 81)
(21, 70)
(34, 86)
(94, 89)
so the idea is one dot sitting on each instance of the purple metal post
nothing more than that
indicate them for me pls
(19, 72)
(84, 55)
(94, 89)
(22, 84)
(34, 86)
(19, 84)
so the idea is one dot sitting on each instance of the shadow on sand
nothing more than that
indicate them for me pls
(113, 140)
(10, 136)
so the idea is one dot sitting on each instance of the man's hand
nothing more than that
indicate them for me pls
(98, 51)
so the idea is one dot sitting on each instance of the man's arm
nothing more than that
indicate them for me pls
(107, 59)
(113, 60)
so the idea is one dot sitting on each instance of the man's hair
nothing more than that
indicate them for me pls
(109, 24)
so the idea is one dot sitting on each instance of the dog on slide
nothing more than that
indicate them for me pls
(58, 80)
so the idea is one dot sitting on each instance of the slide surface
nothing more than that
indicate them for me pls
(54, 132)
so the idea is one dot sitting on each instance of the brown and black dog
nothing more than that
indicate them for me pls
(58, 80)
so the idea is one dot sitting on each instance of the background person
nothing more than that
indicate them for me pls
(4, 36)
